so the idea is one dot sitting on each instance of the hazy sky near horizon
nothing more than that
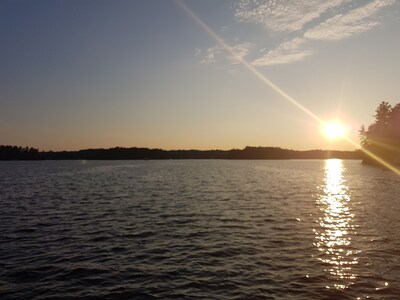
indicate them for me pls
(95, 73)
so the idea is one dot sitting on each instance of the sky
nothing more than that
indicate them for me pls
(193, 74)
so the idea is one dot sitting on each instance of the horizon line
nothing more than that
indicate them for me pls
(187, 149)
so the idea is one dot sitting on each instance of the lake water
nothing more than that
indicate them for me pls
(199, 229)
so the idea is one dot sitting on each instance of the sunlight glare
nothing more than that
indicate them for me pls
(333, 236)
(334, 130)
(263, 78)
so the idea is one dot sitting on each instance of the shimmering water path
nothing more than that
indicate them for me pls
(199, 230)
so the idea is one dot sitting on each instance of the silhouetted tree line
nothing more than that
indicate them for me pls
(146, 153)
(382, 137)
(18, 153)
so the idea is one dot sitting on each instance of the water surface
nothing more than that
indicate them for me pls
(309, 229)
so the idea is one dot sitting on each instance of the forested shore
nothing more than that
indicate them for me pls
(118, 153)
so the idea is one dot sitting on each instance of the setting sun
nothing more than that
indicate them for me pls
(334, 130)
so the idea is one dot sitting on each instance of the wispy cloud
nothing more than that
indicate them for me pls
(210, 55)
(287, 52)
(241, 50)
(298, 22)
(345, 25)
(283, 15)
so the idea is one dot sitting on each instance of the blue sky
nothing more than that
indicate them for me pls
(81, 74)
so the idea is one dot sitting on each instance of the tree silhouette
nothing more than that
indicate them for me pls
(18, 153)
(382, 137)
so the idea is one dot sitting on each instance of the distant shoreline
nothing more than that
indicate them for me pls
(118, 153)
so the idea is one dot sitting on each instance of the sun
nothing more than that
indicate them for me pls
(334, 130)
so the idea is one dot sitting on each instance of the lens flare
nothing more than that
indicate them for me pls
(277, 89)
(334, 129)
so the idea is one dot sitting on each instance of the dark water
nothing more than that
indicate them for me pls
(199, 229)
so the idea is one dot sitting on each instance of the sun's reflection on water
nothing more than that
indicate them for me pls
(336, 227)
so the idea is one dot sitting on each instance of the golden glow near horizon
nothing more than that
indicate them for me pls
(334, 233)
(237, 81)
(278, 90)
(334, 129)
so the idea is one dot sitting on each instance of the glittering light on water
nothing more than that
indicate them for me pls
(333, 235)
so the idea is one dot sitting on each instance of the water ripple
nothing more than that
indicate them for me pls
(198, 230)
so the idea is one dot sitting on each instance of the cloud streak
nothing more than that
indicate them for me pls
(240, 50)
(345, 25)
(287, 52)
(298, 22)
(283, 15)
(209, 55)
